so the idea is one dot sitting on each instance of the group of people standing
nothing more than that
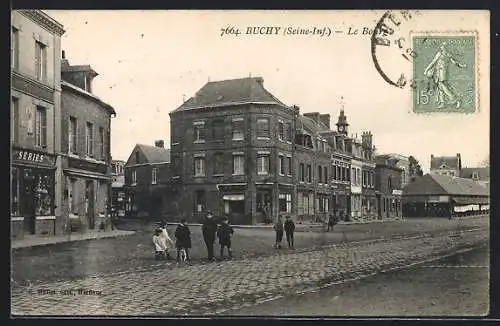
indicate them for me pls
(288, 228)
(210, 229)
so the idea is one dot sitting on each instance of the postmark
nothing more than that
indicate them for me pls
(439, 68)
(445, 72)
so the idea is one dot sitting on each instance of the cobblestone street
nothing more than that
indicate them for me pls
(217, 287)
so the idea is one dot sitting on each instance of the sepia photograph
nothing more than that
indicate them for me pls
(209, 163)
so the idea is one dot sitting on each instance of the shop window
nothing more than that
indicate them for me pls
(43, 184)
(199, 204)
(285, 203)
(73, 196)
(41, 126)
(14, 194)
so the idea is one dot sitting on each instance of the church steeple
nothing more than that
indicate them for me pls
(342, 125)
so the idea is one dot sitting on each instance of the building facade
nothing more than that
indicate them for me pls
(85, 150)
(118, 194)
(389, 187)
(441, 195)
(446, 165)
(403, 163)
(35, 206)
(369, 200)
(148, 183)
(239, 151)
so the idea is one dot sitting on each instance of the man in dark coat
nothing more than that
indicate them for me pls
(209, 229)
(289, 229)
(224, 234)
(183, 239)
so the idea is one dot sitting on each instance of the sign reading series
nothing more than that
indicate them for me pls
(30, 156)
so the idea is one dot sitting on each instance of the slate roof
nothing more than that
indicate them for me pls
(483, 173)
(310, 126)
(230, 92)
(452, 162)
(155, 154)
(435, 184)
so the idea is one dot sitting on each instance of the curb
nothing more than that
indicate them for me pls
(129, 233)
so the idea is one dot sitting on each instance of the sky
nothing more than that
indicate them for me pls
(148, 61)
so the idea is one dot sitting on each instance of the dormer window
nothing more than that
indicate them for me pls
(87, 84)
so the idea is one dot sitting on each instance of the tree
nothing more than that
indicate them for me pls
(415, 168)
(485, 163)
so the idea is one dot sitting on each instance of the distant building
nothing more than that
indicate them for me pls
(439, 195)
(447, 165)
(403, 163)
(36, 192)
(118, 195)
(148, 183)
(388, 183)
(481, 175)
(85, 147)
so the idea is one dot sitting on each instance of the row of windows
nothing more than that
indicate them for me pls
(263, 131)
(263, 164)
(89, 139)
(38, 127)
(40, 55)
(154, 176)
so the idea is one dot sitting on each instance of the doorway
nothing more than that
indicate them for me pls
(89, 203)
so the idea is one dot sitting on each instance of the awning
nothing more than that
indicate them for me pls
(234, 197)
(469, 200)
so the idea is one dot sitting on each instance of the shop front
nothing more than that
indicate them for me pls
(341, 201)
(32, 200)
(88, 187)
(233, 199)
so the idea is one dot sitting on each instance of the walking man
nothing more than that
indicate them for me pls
(289, 229)
(209, 229)
(278, 227)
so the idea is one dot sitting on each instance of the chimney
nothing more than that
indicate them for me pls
(159, 143)
(325, 119)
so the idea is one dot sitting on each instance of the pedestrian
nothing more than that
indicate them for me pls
(278, 227)
(183, 239)
(289, 229)
(224, 233)
(159, 245)
(331, 221)
(168, 242)
(209, 230)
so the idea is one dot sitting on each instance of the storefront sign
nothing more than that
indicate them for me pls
(87, 165)
(32, 157)
(397, 192)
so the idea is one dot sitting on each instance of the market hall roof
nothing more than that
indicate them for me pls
(435, 184)
(482, 173)
(249, 90)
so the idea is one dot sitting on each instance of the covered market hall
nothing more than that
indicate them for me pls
(434, 195)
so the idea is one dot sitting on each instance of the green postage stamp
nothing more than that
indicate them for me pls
(445, 72)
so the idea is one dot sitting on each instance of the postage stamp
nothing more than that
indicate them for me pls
(445, 72)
